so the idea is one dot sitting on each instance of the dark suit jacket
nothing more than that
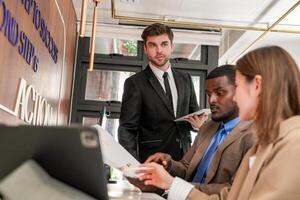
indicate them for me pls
(147, 119)
(225, 162)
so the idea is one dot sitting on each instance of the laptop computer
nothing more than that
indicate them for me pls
(69, 154)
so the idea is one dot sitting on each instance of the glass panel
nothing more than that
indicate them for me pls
(194, 135)
(196, 82)
(111, 125)
(116, 46)
(104, 85)
(189, 51)
(89, 121)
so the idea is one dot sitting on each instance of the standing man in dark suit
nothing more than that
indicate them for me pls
(153, 98)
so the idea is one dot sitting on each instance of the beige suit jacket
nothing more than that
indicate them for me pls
(225, 162)
(275, 173)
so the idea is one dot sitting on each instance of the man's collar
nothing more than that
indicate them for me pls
(230, 124)
(158, 72)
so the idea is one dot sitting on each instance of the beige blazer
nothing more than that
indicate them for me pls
(275, 173)
(225, 162)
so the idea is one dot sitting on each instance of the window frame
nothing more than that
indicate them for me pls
(209, 60)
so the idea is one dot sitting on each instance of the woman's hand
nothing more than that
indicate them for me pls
(155, 174)
(144, 188)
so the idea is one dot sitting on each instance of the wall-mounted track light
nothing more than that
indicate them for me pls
(92, 49)
(83, 18)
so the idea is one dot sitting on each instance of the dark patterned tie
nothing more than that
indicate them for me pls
(168, 89)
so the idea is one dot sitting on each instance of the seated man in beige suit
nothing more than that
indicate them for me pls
(221, 143)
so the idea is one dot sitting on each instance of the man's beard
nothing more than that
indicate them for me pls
(226, 116)
(159, 64)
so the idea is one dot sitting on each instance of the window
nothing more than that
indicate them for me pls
(111, 125)
(93, 90)
(197, 86)
(105, 85)
(116, 46)
(187, 51)
(89, 121)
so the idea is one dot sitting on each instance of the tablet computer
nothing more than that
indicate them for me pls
(69, 154)
(205, 111)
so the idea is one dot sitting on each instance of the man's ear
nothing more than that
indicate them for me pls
(257, 81)
(172, 46)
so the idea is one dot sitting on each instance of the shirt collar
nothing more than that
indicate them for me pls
(228, 126)
(158, 72)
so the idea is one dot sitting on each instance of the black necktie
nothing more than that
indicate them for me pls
(168, 89)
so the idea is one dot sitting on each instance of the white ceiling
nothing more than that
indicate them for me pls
(214, 11)
(201, 10)
(258, 13)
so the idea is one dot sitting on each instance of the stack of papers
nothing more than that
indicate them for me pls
(115, 155)
(205, 111)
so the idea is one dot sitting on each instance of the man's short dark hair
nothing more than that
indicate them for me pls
(157, 29)
(224, 70)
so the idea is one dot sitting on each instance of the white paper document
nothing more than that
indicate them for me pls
(115, 155)
(205, 111)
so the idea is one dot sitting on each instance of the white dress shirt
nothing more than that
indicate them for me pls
(179, 189)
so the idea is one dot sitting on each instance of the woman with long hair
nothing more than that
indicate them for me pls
(267, 92)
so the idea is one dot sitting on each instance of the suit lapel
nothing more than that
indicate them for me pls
(180, 90)
(204, 141)
(233, 136)
(241, 175)
(263, 156)
(158, 89)
(254, 171)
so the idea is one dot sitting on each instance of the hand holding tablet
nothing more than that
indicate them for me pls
(133, 171)
(205, 111)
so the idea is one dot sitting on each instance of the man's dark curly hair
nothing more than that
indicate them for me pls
(224, 70)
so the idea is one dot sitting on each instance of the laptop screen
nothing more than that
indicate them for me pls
(69, 154)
